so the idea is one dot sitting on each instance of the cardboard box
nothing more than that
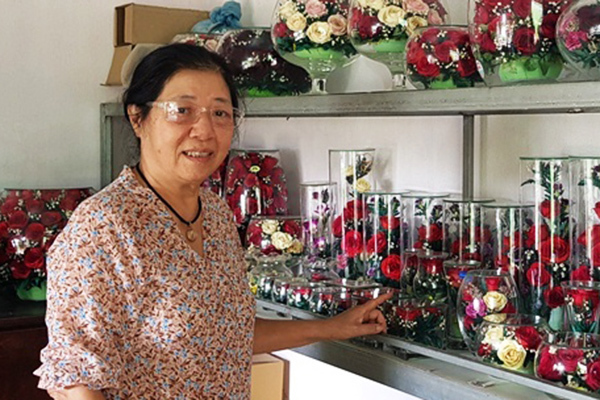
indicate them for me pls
(270, 378)
(135, 23)
(119, 56)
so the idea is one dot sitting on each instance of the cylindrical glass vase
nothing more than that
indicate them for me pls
(582, 313)
(383, 237)
(423, 221)
(352, 170)
(546, 248)
(318, 203)
(430, 282)
(463, 234)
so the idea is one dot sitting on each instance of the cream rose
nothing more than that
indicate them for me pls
(415, 22)
(494, 335)
(281, 240)
(338, 24)
(512, 354)
(296, 23)
(287, 9)
(319, 32)
(415, 6)
(269, 226)
(496, 318)
(296, 247)
(391, 15)
(362, 185)
(375, 4)
(495, 301)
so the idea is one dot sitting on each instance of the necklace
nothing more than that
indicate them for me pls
(190, 234)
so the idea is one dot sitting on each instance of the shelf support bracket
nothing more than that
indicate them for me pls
(468, 178)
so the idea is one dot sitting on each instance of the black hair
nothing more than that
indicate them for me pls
(153, 72)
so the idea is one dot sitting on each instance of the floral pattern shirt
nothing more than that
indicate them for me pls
(135, 312)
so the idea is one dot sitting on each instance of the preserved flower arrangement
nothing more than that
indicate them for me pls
(423, 221)
(318, 204)
(410, 264)
(215, 182)
(455, 272)
(430, 282)
(281, 286)
(422, 322)
(274, 236)
(262, 277)
(299, 294)
(322, 300)
(581, 306)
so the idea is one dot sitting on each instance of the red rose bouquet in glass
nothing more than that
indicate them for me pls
(299, 294)
(30, 220)
(455, 272)
(255, 185)
(430, 282)
(281, 286)
(582, 313)
(262, 277)
(215, 182)
(440, 57)
(511, 341)
(274, 235)
(380, 29)
(546, 245)
(322, 300)
(410, 264)
(423, 221)
(514, 40)
(481, 293)
(571, 359)
(422, 322)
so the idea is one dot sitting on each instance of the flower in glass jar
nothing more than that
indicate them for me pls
(495, 318)
(549, 366)
(315, 9)
(493, 335)
(511, 353)
(413, 23)
(592, 378)
(374, 4)
(391, 15)
(554, 297)
(415, 6)
(281, 240)
(296, 22)
(338, 24)
(270, 226)
(528, 337)
(362, 185)
(319, 32)
(391, 267)
(476, 308)
(296, 247)
(287, 9)
(495, 301)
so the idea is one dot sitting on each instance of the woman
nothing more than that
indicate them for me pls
(147, 297)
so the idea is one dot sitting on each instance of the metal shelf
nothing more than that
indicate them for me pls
(453, 358)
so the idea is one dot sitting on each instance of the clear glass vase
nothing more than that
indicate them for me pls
(546, 247)
(515, 42)
(313, 35)
(380, 30)
(352, 171)
(430, 281)
(455, 272)
(423, 221)
(318, 204)
(262, 277)
(582, 313)
(274, 235)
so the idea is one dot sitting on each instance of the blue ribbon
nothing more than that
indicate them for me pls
(221, 19)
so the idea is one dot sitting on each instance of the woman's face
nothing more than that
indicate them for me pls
(177, 146)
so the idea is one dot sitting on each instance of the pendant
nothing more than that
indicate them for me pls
(191, 235)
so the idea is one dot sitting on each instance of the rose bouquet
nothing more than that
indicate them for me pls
(281, 286)
(514, 40)
(314, 35)
(570, 359)
(380, 29)
(30, 220)
(511, 340)
(274, 235)
(421, 322)
(383, 238)
(581, 306)
(455, 272)
(481, 293)
(578, 36)
(423, 221)
(546, 248)
(255, 185)
(318, 205)
(258, 70)
(441, 58)
(410, 264)
(322, 300)
(430, 282)
(299, 294)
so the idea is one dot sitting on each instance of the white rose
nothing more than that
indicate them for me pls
(296, 247)
(512, 354)
(415, 22)
(391, 15)
(375, 4)
(281, 240)
(296, 23)
(496, 318)
(362, 185)
(495, 301)
(494, 335)
(269, 226)
(319, 32)
(287, 9)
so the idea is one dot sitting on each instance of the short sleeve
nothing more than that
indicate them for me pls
(83, 314)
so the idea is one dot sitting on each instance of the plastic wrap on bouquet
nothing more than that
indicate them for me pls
(423, 221)
(585, 209)
(383, 237)
(464, 235)
(352, 170)
(318, 203)
(255, 184)
(546, 248)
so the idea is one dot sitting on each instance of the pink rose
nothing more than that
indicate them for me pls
(338, 24)
(575, 40)
(415, 6)
(433, 18)
(315, 9)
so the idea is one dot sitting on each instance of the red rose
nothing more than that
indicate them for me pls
(3, 230)
(582, 273)
(34, 206)
(509, 243)
(493, 283)
(9, 205)
(69, 204)
(525, 41)
(10, 247)
(430, 233)
(590, 236)
(338, 227)
(597, 209)
(484, 350)
(35, 258)
(270, 249)
(433, 265)
(389, 223)
(266, 192)
(391, 267)
(555, 250)
(454, 276)
(554, 297)
(595, 256)
(377, 244)
(280, 203)
(414, 52)
(369, 26)
(74, 194)
(427, 69)
(550, 209)
(548, 28)
(528, 337)
(538, 275)
(446, 52)
(468, 322)
(491, 4)
(50, 195)
(459, 38)
(352, 244)
(408, 314)
(292, 227)
(536, 235)
(27, 194)
(19, 270)
(267, 166)
(280, 30)
(430, 35)
(277, 176)
(549, 366)
(486, 43)
(251, 181)
(509, 308)
(18, 220)
(51, 218)
(467, 67)
(569, 358)
(522, 8)
(592, 377)
(482, 15)
(583, 296)
(353, 210)
(35, 232)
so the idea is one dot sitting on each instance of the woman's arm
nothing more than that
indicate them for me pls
(79, 392)
(272, 335)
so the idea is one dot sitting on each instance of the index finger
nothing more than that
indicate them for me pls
(373, 304)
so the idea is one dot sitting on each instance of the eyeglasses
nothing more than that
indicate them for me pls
(188, 113)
